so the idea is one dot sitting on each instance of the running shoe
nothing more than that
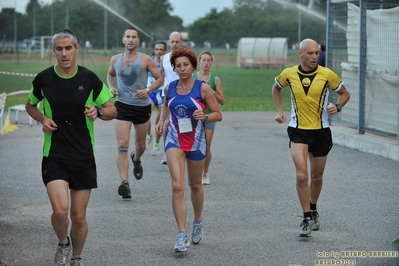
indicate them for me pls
(61, 257)
(306, 227)
(155, 151)
(182, 243)
(198, 234)
(205, 179)
(315, 218)
(124, 190)
(163, 160)
(137, 169)
(148, 140)
(77, 262)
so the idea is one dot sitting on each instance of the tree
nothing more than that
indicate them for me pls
(32, 6)
(7, 22)
(153, 16)
(247, 18)
(214, 27)
(256, 18)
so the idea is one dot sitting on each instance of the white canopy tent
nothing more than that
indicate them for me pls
(262, 52)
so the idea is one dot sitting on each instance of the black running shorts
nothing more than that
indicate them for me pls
(80, 174)
(135, 114)
(319, 141)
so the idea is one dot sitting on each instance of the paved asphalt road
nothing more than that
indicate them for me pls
(251, 214)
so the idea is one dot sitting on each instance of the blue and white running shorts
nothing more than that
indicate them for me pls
(156, 98)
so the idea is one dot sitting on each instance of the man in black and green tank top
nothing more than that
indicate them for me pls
(73, 98)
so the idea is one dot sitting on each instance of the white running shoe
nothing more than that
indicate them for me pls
(205, 179)
(163, 160)
(182, 243)
(148, 141)
(155, 151)
(61, 256)
(198, 234)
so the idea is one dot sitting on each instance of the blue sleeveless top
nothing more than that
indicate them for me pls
(183, 107)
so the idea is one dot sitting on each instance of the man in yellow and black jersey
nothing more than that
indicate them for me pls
(309, 129)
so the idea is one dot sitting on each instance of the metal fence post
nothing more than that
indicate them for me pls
(362, 66)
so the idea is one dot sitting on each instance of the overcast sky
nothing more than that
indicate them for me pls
(188, 10)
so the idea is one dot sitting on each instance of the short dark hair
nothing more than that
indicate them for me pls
(131, 28)
(163, 43)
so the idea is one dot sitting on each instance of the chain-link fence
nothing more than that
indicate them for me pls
(363, 48)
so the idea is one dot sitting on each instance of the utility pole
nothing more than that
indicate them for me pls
(67, 17)
(34, 19)
(299, 24)
(52, 21)
(105, 27)
(15, 33)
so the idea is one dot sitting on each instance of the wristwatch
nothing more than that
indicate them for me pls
(100, 111)
(206, 118)
(339, 107)
(148, 90)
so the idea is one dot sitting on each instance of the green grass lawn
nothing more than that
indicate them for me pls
(244, 89)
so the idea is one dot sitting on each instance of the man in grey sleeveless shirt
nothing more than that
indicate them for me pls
(130, 72)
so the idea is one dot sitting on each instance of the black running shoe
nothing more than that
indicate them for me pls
(124, 190)
(137, 169)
